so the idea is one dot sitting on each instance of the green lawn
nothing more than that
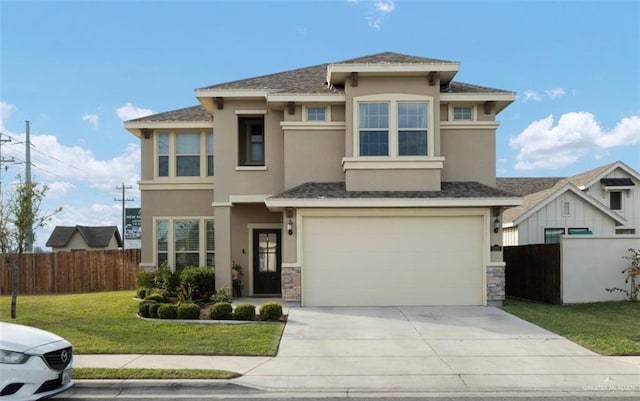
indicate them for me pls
(608, 328)
(106, 323)
(155, 374)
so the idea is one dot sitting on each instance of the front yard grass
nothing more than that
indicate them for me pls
(106, 323)
(155, 374)
(608, 328)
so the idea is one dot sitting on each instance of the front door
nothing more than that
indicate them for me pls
(266, 262)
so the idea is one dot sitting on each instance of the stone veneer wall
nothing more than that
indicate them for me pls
(495, 284)
(291, 284)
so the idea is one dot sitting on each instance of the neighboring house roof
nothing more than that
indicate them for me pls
(534, 201)
(95, 237)
(526, 185)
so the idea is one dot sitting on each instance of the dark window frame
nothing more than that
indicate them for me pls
(251, 131)
(553, 238)
(615, 203)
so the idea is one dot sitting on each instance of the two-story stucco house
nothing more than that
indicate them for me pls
(369, 181)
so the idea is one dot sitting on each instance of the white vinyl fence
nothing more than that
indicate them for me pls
(590, 264)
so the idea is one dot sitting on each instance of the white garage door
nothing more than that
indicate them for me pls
(378, 261)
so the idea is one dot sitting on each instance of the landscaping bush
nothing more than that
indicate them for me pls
(168, 311)
(188, 311)
(244, 312)
(221, 311)
(201, 279)
(142, 292)
(145, 279)
(270, 311)
(153, 310)
(166, 280)
(155, 297)
(222, 295)
(143, 308)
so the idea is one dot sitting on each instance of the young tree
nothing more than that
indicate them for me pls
(19, 216)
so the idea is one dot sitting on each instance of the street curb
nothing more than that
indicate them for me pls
(127, 384)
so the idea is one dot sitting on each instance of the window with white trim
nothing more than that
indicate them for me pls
(184, 242)
(553, 235)
(393, 125)
(566, 208)
(188, 154)
(462, 113)
(316, 113)
(615, 200)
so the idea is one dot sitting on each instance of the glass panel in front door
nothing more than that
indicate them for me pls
(267, 252)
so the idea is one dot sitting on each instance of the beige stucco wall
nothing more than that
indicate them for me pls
(313, 156)
(170, 203)
(228, 178)
(243, 219)
(393, 180)
(469, 155)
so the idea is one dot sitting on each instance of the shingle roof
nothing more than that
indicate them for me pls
(313, 79)
(96, 237)
(532, 199)
(337, 190)
(526, 185)
(190, 114)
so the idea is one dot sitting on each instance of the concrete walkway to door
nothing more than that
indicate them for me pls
(432, 349)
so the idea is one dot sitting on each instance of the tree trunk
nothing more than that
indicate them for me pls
(14, 286)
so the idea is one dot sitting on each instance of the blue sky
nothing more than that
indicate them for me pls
(78, 69)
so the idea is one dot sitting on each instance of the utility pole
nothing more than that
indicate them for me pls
(27, 172)
(123, 200)
(3, 160)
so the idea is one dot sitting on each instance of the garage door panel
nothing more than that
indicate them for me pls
(392, 261)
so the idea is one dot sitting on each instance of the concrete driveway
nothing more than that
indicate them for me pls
(417, 349)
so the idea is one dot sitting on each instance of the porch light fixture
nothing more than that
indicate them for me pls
(496, 225)
(290, 227)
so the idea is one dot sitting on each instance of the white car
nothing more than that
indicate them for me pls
(34, 364)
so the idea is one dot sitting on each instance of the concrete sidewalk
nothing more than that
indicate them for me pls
(411, 350)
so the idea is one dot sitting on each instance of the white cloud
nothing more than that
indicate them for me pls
(58, 189)
(555, 92)
(5, 113)
(92, 119)
(531, 95)
(545, 145)
(376, 10)
(129, 112)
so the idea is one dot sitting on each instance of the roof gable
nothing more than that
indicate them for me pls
(95, 237)
(536, 201)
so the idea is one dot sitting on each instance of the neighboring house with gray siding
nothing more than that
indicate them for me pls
(369, 181)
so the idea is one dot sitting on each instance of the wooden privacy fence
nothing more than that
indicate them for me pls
(73, 272)
(533, 272)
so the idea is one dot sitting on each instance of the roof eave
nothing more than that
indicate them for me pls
(277, 203)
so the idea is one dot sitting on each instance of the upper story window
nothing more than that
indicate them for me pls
(182, 154)
(163, 155)
(316, 113)
(251, 141)
(210, 155)
(463, 113)
(398, 126)
(187, 155)
(615, 200)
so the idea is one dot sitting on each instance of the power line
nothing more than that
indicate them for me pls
(4, 160)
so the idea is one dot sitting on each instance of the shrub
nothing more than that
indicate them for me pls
(153, 310)
(270, 311)
(222, 295)
(201, 279)
(143, 308)
(188, 311)
(155, 297)
(168, 311)
(221, 311)
(145, 279)
(142, 292)
(245, 312)
(165, 279)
